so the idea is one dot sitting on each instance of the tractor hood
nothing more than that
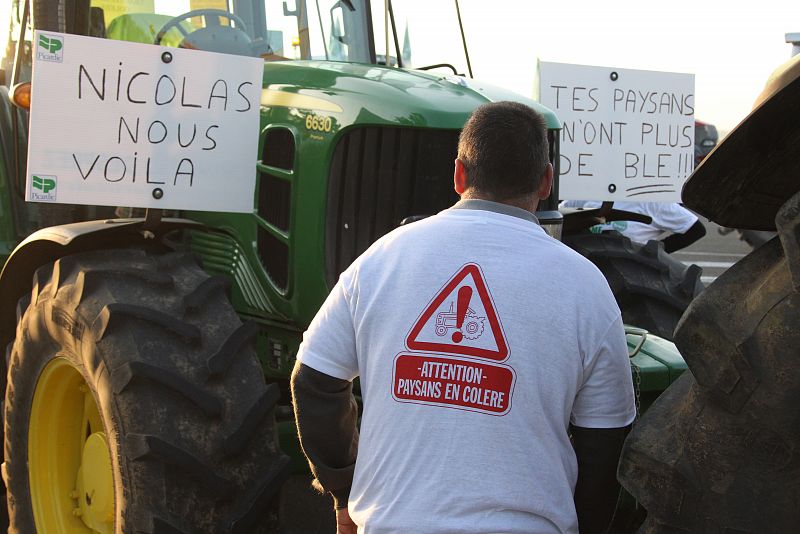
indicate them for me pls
(745, 180)
(371, 94)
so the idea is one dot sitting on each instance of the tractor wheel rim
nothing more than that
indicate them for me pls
(70, 472)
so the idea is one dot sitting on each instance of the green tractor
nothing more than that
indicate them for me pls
(146, 393)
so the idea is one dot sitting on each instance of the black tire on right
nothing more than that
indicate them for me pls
(652, 288)
(718, 451)
(755, 238)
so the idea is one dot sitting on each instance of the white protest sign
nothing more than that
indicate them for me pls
(123, 124)
(626, 134)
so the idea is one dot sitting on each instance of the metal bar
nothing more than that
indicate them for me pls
(152, 218)
(394, 34)
(19, 180)
(386, 31)
(463, 39)
(322, 31)
(20, 45)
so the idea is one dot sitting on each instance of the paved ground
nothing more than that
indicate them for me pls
(715, 252)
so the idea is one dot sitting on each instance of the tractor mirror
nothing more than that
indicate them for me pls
(337, 21)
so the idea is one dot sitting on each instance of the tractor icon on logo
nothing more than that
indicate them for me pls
(472, 327)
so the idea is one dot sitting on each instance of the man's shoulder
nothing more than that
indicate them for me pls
(406, 232)
(575, 275)
(576, 264)
(435, 233)
(397, 241)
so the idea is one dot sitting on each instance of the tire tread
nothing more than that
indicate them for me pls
(189, 443)
(652, 288)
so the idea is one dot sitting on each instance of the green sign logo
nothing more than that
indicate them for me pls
(44, 184)
(51, 44)
(50, 48)
(43, 188)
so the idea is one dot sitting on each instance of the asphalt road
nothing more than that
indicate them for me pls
(715, 253)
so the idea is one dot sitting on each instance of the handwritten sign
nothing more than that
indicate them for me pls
(124, 124)
(626, 134)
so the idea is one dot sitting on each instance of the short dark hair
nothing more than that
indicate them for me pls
(504, 149)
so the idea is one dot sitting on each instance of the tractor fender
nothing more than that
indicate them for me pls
(48, 244)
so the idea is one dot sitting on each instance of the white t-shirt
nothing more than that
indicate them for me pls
(667, 217)
(468, 393)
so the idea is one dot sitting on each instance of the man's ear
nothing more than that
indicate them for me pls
(460, 177)
(547, 183)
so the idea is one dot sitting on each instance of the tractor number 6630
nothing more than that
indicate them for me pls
(319, 123)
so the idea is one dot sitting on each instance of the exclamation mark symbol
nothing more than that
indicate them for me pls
(464, 296)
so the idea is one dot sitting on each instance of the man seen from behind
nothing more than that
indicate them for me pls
(483, 346)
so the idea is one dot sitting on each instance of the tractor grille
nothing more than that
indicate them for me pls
(378, 177)
(222, 254)
(274, 255)
(275, 201)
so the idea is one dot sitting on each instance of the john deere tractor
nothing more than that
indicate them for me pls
(146, 393)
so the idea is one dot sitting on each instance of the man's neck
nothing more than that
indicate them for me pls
(527, 203)
(496, 207)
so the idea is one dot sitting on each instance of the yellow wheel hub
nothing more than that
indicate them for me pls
(71, 477)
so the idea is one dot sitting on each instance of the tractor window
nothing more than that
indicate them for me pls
(334, 30)
(7, 63)
(427, 34)
(141, 21)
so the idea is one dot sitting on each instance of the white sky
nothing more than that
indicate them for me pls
(731, 47)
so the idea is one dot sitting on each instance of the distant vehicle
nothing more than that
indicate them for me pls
(705, 139)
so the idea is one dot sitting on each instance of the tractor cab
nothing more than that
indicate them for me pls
(338, 42)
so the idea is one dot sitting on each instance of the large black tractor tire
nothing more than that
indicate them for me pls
(718, 451)
(143, 354)
(652, 288)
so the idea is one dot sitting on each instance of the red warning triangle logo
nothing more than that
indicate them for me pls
(461, 319)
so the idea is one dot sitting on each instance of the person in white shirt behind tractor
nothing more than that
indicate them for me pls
(683, 226)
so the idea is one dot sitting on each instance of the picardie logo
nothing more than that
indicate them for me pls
(51, 44)
(43, 188)
(50, 48)
(45, 184)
